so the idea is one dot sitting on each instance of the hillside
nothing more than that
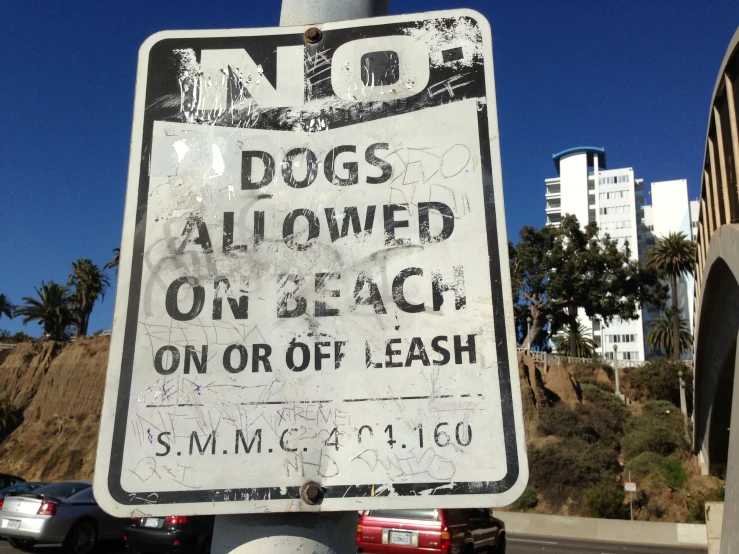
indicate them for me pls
(59, 390)
(583, 444)
(581, 440)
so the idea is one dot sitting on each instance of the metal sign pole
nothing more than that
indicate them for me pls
(288, 533)
(631, 504)
(305, 12)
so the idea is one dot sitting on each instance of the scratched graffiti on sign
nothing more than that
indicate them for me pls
(315, 277)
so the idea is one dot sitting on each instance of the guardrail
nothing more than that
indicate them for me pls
(556, 359)
(6, 345)
(105, 333)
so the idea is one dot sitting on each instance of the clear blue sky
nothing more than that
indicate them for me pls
(635, 77)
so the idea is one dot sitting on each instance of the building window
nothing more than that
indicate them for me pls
(610, 210)
(614, 195)
(621, 224)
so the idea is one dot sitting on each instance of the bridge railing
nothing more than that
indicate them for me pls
(556, 359)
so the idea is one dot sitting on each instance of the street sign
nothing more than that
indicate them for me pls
(314, 282)
(630, 487)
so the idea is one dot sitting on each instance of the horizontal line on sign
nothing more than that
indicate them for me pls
(282, 402)
(274, 402)
(175, 406)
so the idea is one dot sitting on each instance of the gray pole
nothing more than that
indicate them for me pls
(291, 533)
(304, 12)
(615, 369)
(631, 503)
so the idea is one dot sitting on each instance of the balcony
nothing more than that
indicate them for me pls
(553, 191)
(553, 203)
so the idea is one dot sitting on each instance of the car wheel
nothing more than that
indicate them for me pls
(21, 544)
(500, 549)
(205, 546)
(81, 539)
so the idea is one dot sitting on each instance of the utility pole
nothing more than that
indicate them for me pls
(290, 533)
(615, 370)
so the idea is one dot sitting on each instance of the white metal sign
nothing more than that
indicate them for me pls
(630, 487)
(314, 281)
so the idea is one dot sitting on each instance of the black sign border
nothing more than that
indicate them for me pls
(331, 491)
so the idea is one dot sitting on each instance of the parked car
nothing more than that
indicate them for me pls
(173, 534)
(20, 488)
(63, 513)
(463, 531)
(6, 479)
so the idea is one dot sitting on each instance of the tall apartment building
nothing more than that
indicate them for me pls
(614, 199)
(670, 211)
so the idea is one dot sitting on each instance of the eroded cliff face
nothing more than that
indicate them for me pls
(59, 390)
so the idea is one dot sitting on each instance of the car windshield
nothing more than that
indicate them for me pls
(432, 515)
(62, 490)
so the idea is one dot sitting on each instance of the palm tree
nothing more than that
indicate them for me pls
(584, 344)
(51, 309)
(660, 336)
(6, 307)
(115, 261)
(674, 257)
(89, 284)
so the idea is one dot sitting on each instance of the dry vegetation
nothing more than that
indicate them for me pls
(582, 443)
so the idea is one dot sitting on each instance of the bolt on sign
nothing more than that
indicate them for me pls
(314, 287)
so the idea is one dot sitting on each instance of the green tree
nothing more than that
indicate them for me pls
(7, 308)
(660, 337)
(557, 271)
(660, 380)
(51, 309)
(115, 261)
(90, 285)
(674, 257)
(584, 344)
(530, 266)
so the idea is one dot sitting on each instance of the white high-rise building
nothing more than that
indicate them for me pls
(670, 211)
(614, 199)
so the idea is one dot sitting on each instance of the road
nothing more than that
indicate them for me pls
(103, 548)
(518, 544)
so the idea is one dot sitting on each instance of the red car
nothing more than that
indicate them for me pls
(462, 531)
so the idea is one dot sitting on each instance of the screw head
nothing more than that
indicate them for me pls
(311, 493)
(313, 35)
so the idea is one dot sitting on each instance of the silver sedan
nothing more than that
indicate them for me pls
(63, 513)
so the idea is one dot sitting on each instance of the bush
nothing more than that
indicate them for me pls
(660, 429)
(558, 422)
(606, 500)
(600, 420)
(673, 472)
(644, 465)
(659, 380)
(10, 417)
(526, 501)
(655, 439)
(559, 472)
